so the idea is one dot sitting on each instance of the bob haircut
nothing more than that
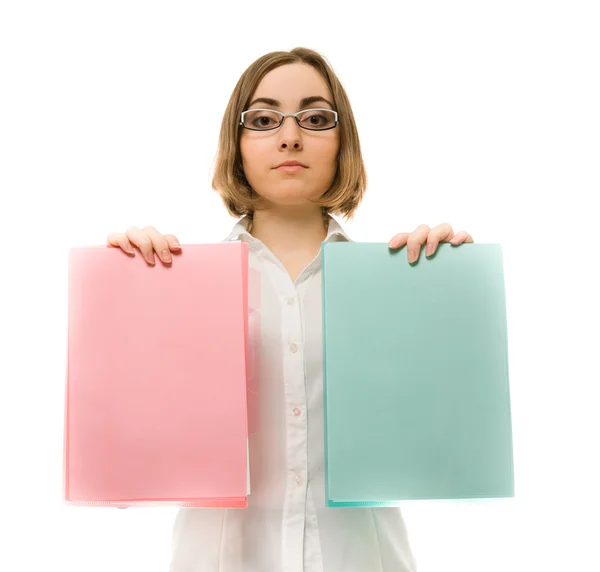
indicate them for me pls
(348, 187)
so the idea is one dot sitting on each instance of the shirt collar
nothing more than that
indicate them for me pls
(240, 231)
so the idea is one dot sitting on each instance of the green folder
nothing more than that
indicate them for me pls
(415, 363)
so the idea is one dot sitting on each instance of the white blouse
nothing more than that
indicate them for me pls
(287, 527)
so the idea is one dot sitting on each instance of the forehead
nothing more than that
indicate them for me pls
(291, 82)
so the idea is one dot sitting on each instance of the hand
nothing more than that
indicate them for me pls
(147, 240)
(441, 233)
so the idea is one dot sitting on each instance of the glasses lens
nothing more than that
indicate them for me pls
(261, 119)
(317, 119)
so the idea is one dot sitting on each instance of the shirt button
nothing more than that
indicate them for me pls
(296, 412)
(293, 348)
(290, 301)
(299, 480)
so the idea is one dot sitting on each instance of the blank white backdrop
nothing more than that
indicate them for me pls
(481, 114)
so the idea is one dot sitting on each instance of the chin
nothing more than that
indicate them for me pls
(290, 196)
(292, 199)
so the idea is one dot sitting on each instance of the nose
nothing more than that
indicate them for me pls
(289, 133)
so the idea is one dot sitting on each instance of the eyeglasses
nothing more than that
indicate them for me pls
(317, 119)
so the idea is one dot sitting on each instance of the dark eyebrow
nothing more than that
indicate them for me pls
(303, 102)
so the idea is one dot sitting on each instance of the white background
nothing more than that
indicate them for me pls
(485, 115)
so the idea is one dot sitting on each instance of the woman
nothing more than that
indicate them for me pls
(285, 218)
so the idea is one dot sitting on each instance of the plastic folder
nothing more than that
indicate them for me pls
(161, 386)
(416, 386)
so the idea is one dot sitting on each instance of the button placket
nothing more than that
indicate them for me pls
(295, 395)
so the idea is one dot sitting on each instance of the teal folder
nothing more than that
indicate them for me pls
(416, 384)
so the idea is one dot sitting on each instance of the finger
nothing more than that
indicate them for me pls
(398, 240)
(440, 233)
(173, 242)
(138, 237)
(160, 244)
(120, 240)
(461, 237)
(416, 240)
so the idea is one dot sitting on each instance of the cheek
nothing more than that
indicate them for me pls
(330, 148)
(253, 156)
(327, 154)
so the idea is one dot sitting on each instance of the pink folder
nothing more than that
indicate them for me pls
(161, 386)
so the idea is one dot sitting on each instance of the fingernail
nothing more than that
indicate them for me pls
(412, 255)
(429, 248)
(150, 259)
(166, 256)
(176, 244)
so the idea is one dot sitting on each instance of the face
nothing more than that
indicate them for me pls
(262, 151)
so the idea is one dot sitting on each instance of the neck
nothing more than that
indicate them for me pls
(289, 231)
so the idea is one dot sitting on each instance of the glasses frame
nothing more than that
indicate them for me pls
(294, 115)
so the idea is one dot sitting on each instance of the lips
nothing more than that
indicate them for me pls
(291, 164)
(291, 168)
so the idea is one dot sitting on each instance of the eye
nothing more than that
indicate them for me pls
(262, 121)
(262, 118)
(318, 118)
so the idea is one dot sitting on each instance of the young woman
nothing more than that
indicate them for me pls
(289, 107)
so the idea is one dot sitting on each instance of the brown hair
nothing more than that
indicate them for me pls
(348, 187)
